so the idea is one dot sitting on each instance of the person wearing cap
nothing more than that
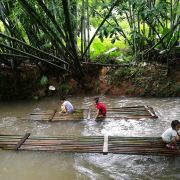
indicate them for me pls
(101, 108)
(66, 106)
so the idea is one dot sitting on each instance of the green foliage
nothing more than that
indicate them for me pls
(122, 72)
(55, 26)
(44, 81)
(177, 89)
(130, 91)
(65, 89)
(97, 88)
(98, 47)
(36, 97)
(115, 76)
(21, 88)
(1, 27)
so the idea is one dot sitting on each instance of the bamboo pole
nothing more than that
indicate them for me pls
(31, 47)
(33, 56)
(97, 30)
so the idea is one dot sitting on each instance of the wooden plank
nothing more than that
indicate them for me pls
(124, 117)
(68, 117)
(128, 107)
(90, 144)
(128, 112)
(22, 141)
(41, 113)
(89, 114)
(105, 145)
(150, 112)
(76, 111)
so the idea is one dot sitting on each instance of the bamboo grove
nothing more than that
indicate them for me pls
(57, 32)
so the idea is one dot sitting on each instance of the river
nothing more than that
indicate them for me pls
(25, 165)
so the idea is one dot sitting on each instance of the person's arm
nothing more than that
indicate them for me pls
(89, 111)
(90, 106)
(63, 108)
(175, 137)
(178, 133)
(174, 140)
(97, 113)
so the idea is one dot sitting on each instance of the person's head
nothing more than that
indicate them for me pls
(62, 98)
(96, 100)
(175, 124)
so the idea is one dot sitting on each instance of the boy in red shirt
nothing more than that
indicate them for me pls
(101, 108)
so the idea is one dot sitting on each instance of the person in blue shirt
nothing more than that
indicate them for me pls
(66, 106)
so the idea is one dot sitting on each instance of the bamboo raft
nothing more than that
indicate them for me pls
(88, 144)
(131, 112)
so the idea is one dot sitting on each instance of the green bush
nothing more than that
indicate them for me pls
(97, 87)
(65, 89)
(177, 89)
(120, 73)
(130, 91)
(43, 81)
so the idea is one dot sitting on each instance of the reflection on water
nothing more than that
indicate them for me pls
(42, 165)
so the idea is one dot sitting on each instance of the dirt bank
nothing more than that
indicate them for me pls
(135, 81)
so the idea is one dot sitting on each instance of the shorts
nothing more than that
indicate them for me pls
(70, 110)
(102, 113)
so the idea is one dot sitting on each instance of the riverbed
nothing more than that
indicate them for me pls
(25, 165)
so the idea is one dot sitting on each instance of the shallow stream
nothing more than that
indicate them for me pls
(25, 165)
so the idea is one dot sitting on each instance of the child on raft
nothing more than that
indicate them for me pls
(171, 135)
(66, 106)
(101, 108)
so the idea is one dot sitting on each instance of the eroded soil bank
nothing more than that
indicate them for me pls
(131, 81)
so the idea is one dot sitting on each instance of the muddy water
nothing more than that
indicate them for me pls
(56, 166)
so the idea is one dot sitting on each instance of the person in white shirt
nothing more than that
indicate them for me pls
(66, 106)
(171, 135)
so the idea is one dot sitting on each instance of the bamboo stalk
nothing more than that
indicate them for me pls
(98, 119)
(97, 30)
(33, 56)
(29, 46)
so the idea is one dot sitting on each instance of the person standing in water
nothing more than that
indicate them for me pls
(66, 106)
